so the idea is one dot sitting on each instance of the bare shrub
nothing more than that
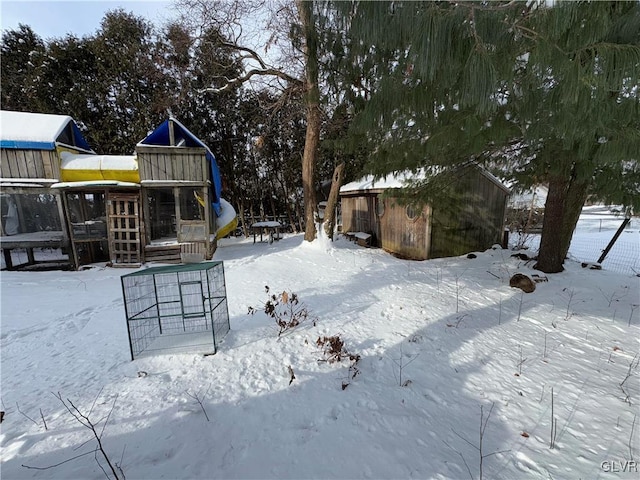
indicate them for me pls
(111, 469)
(334, 350)
(285, 309)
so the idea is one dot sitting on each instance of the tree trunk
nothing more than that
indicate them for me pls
(561, 212)
(330, 210)
(312, 138)
(252, 214)
(290, 208)
(243, 223)
(299, 217)
(308, 174)
(273, 209)
(292, 222)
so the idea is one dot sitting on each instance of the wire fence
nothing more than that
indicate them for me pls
(624, 256)
(591, 239)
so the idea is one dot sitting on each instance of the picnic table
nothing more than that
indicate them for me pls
(271, 228)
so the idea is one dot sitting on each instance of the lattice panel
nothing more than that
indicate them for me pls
(124, 229)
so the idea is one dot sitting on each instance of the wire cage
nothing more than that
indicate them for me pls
(176, 309)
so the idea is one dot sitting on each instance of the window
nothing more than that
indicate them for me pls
(191, 204)
(27, 213)
(380, 206)
(162, 210)
(412, 212)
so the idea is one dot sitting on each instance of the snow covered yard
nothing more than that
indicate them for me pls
(595, 229)
(441, 342)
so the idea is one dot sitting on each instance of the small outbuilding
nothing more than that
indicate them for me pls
(470, 218)
(31, 146)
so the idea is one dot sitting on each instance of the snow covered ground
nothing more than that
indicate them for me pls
(595, 229)
(447, 350)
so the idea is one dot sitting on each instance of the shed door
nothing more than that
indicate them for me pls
(124, 229)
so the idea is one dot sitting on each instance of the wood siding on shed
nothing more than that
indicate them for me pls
(393, 230)
(473, 219)
(19, 163)
(469, 217)
(359, 215)
(172, 163)
(402, 236)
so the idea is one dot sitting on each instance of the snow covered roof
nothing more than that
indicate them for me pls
(401, 179)
(397, 180)
(39, 131)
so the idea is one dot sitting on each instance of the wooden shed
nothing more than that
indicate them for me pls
(32, 212)
(471, 218)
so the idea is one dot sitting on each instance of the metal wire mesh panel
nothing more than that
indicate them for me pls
(179, 309)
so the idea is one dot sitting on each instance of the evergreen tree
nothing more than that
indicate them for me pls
(22, 52)
(67, 80)
(109, 83)
(581, 109)
(549, 92)
(129, 88)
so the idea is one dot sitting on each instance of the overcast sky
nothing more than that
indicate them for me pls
(54, 19)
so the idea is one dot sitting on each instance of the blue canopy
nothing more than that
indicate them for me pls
(183, 137)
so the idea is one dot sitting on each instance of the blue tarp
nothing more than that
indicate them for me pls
(79, 139)
(27, 145)
(182, 136)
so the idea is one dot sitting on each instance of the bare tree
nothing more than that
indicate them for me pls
(293, 42)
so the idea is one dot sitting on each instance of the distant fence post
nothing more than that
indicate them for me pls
(505, 239)
(613, 240)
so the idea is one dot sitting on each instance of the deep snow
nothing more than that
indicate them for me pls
(466, 341)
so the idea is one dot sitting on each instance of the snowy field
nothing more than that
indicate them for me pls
(460, 376)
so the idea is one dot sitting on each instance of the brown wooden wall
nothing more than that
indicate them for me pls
(402, 236)
(172, 163)
(470, 217)
(359, 215)
(17, 163)
(473, 219)
(393, 230)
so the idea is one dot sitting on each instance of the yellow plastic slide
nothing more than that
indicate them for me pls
(227, 221)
